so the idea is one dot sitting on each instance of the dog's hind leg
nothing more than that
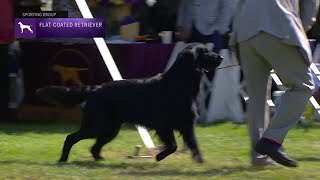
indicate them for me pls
(189, 138)
(102, 140)
(69, 142)
(167, 137)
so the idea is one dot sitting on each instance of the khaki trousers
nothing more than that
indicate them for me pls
(258, 56)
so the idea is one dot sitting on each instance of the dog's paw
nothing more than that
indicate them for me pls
(96, 155)
(160, 157)
(198, 158)
(98, 158)
(62, 161)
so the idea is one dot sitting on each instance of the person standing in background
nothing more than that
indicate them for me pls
(163, 15)
(30, 5)
(67, 5)
(272, 35)
(6, 37)
(205, 21)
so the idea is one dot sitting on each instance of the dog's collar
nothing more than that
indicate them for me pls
(202, 70)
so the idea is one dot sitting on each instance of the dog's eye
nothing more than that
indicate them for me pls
(200, 50)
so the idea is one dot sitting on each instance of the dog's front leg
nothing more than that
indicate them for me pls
(167, 137)
(189, 138)
(69, 142)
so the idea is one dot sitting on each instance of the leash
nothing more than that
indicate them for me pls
(228, 66)
(203, 71)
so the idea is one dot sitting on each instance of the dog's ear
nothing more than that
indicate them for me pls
(199, 52)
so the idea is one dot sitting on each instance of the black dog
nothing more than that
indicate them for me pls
(165, 102)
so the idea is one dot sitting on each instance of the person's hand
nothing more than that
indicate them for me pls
(181, 34)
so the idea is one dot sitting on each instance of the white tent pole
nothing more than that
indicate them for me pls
(112, 67)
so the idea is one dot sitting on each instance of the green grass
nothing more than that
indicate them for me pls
(30, 151)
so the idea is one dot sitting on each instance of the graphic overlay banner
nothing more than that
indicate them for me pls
(42, 14)
(59, 28)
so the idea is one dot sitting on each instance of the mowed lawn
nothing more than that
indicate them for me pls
(31, 151)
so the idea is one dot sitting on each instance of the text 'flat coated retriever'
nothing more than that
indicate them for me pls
(165, 102)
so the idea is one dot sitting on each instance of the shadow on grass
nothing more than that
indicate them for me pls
(120, 165)
(193, 173)
(309, 159)
(142, 168)
(90, 164)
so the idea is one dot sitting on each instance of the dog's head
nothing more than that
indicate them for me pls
(19, 23)
(204, 59)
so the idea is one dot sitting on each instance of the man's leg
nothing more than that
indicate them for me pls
(218, 41)
(256, 74)
(4, 80)
(293, 69)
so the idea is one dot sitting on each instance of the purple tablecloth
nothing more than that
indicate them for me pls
(133, 61)
(141, 60)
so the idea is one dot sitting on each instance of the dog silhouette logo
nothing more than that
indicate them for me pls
(24, 26)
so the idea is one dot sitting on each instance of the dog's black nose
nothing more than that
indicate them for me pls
(215, 56)
(220, 58)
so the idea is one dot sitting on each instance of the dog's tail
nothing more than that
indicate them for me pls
(65, 96)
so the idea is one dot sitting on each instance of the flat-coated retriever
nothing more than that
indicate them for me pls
(165, 102)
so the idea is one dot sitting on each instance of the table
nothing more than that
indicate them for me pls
(44, 63)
